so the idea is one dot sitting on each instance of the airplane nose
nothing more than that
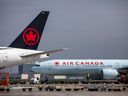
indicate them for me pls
(35, 69)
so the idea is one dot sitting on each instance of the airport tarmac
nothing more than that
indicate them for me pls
(61, 93)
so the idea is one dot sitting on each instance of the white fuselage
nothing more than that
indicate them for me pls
(12, 56)
(109, 68)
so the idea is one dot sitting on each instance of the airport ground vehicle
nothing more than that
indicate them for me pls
(4, 82)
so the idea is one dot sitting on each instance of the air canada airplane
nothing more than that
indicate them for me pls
(109, 69)
(23, 48)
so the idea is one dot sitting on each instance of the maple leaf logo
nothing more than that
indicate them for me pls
(30, 36)
(56, 63)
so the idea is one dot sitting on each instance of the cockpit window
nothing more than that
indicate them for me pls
(36, 65)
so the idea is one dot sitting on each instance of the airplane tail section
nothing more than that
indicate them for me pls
(31, 35)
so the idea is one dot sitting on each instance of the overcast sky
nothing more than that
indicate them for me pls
(92, 29)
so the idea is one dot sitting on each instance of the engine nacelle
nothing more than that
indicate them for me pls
(109, 74)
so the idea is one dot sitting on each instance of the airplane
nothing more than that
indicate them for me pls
(23, 48)
(109, 69)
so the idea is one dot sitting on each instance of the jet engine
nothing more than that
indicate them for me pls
(109, 74)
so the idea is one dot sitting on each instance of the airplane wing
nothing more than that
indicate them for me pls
(45, 52)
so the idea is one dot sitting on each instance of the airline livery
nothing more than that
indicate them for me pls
(109, 69)
(23, 48)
